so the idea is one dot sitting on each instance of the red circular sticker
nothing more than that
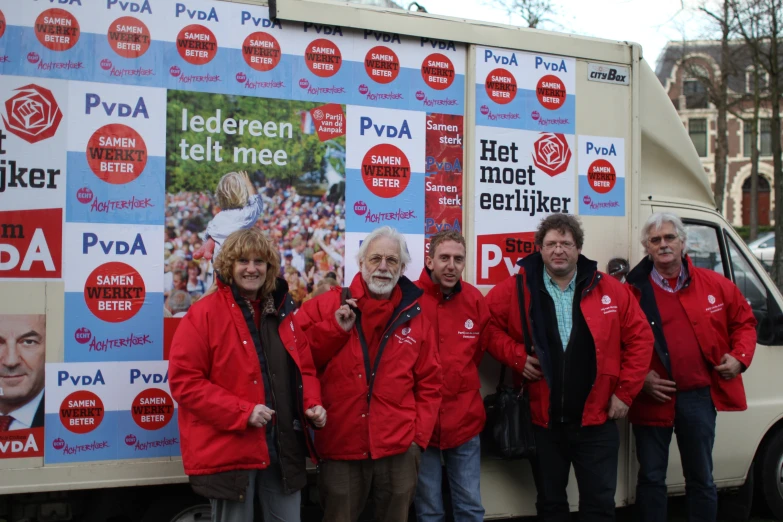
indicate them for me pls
(196, 44)
(323, 57)
(261, 51)
(382, 64)
(601, 176)
(437, 71)
(114, 292)
(2, 24)
(386, 170)
(152, 409)
(501, 86)
(129, 37)
(116, 153)
(57, 29)
(551, 92)
(81, 411)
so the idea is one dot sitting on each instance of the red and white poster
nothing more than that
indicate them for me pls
(443, 169)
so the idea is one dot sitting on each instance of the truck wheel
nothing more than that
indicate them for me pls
(183, 507)
(770, 468)
(201, 513)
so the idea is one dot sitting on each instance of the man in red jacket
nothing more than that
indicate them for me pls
(592, 347)
(458, 315)
(705, 336)
(377, 360)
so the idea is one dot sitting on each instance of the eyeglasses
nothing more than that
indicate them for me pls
(375, 261)
(669, 238)
(565, 245)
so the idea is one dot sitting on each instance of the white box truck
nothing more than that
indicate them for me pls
(120, 117)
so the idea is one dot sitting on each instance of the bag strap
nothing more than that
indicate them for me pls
(346, 294)
(525, 330)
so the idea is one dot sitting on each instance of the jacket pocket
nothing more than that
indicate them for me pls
(228, 485)
(470, 380)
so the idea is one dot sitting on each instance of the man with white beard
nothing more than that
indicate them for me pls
(377, 360)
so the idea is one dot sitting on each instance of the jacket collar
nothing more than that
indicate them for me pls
(641, 272)
(410, 292)
(278, 294)
(431, 288)
(533, 265)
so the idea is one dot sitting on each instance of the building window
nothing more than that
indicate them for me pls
(695, 94)
(765, 137)
(697, 130)
(763, 81)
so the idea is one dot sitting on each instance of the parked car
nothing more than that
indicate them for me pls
(763, 248)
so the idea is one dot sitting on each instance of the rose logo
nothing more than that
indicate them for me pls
(406, 331)
(33, 57)
(130, 439)
(420, 95)
(587, 200)
(535, 115)
(484, 110)
(303, 83)
(175, 71)
(318, 114)
(606, 300)
(363, 89)
(58, 443)
(82, 335)
(711, 299)
(552, 154)
(33, 114)
(241, 77)
(106, 64)
(469, 324)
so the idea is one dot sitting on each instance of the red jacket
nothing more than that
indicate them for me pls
(215, 377)
(723, 322)
(623, 340)
(458, 323)
(401, 405)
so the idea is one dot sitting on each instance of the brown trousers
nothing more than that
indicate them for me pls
(345, 485)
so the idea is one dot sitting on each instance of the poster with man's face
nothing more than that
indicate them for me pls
(22, 364)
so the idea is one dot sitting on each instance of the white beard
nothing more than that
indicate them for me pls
(377, 287)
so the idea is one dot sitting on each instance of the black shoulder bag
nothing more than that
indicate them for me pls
(508, 433)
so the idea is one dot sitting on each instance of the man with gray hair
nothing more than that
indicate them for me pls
(377, 360)
(705, 336)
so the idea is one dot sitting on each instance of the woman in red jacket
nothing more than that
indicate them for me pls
(243, 376)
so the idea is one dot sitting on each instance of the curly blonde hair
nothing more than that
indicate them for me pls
(231, 191)
(248, 243)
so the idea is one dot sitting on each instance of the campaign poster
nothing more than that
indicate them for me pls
(45, 39)
(527, 91)
(127, 40)
(521, 177)
(385, 178)
(384, 76)
(113, 292)
(195, 52)
(22, 385)
(324, 62)
(288, 160)
(439, 80)
(116, 148)
(31, 244)
(443, 170)
(146, 413)
(81, 412)
(33, 142)
(601, 176)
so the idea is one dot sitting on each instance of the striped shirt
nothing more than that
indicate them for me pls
(662, 282)
(564, 305)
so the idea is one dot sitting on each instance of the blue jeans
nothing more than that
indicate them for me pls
(694, 425)
(276, 506)
(463, 469)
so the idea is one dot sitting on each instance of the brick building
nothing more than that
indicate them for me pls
(678, 68)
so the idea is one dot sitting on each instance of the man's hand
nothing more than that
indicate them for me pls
(532, 371)
(260, 416)
(659, 389)
(345, 316)
(729, 367)
(317, 415)
(617, 408)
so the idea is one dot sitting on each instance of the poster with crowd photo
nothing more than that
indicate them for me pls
(22, 385)
(293, 155)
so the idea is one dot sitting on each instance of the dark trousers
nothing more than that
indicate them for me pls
(694, 424)
(593, 451)
(345, 485)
